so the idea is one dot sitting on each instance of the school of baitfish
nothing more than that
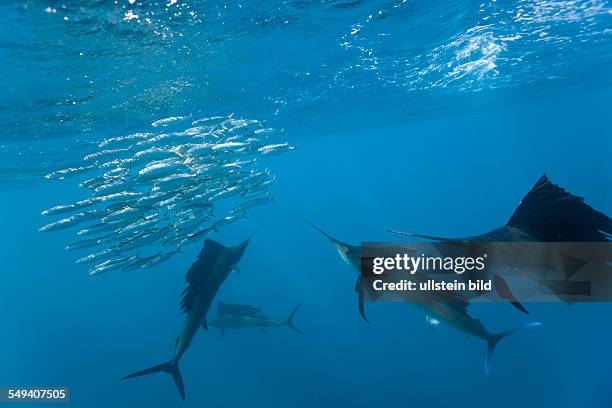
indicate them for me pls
(166, 189)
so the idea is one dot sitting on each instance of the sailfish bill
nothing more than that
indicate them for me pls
(351, 254)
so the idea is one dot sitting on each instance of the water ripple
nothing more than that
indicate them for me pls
(84, 70)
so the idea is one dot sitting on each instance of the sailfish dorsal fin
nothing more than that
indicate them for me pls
(551, 214)
(212, 247)
(224, 309)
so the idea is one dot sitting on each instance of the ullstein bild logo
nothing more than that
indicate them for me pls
(514, 271)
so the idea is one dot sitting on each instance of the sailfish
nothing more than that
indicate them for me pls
(547, 213)
(237, 316)
(204, 279)
(453, 311)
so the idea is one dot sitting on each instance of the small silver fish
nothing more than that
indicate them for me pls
(167, 121)
(119, 196)
(85, 243)
(239, 164)
(153, 153)
(102, 180)
(273, 149)
(263, 131)
(169, 202)
(158, 170)
(117, 171)
(139, 239)
(230, 219)
(174, 181)
(142, 223)
(226, 193)
(165, 139)
(250, 190)
(151, 199)
(210, 121)
(256, 178)
(228, 146)
(128, 213)
(107, 253)
(199, 149)
(107, 152)
(111, 265)
(69, 172)
(187, 226)
(123, 140)
(65, 222)
(195, 237)
(60, 209)
(164, 257)
(240, 209)
(114, 187)
(140, 263)
(102, 227)
(114, 163)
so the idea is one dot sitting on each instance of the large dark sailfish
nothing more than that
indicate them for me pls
(204, 279)
(547, 213)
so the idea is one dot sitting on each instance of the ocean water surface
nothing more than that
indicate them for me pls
(427, 116)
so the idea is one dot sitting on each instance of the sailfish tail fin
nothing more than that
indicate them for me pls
(169, 367)
(495, 338)
(289, 321)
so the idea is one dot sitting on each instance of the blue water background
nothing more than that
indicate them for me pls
(447, 160)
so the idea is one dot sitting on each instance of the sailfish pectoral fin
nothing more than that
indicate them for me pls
(504, 292)
(360, 298)
(205, 324)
